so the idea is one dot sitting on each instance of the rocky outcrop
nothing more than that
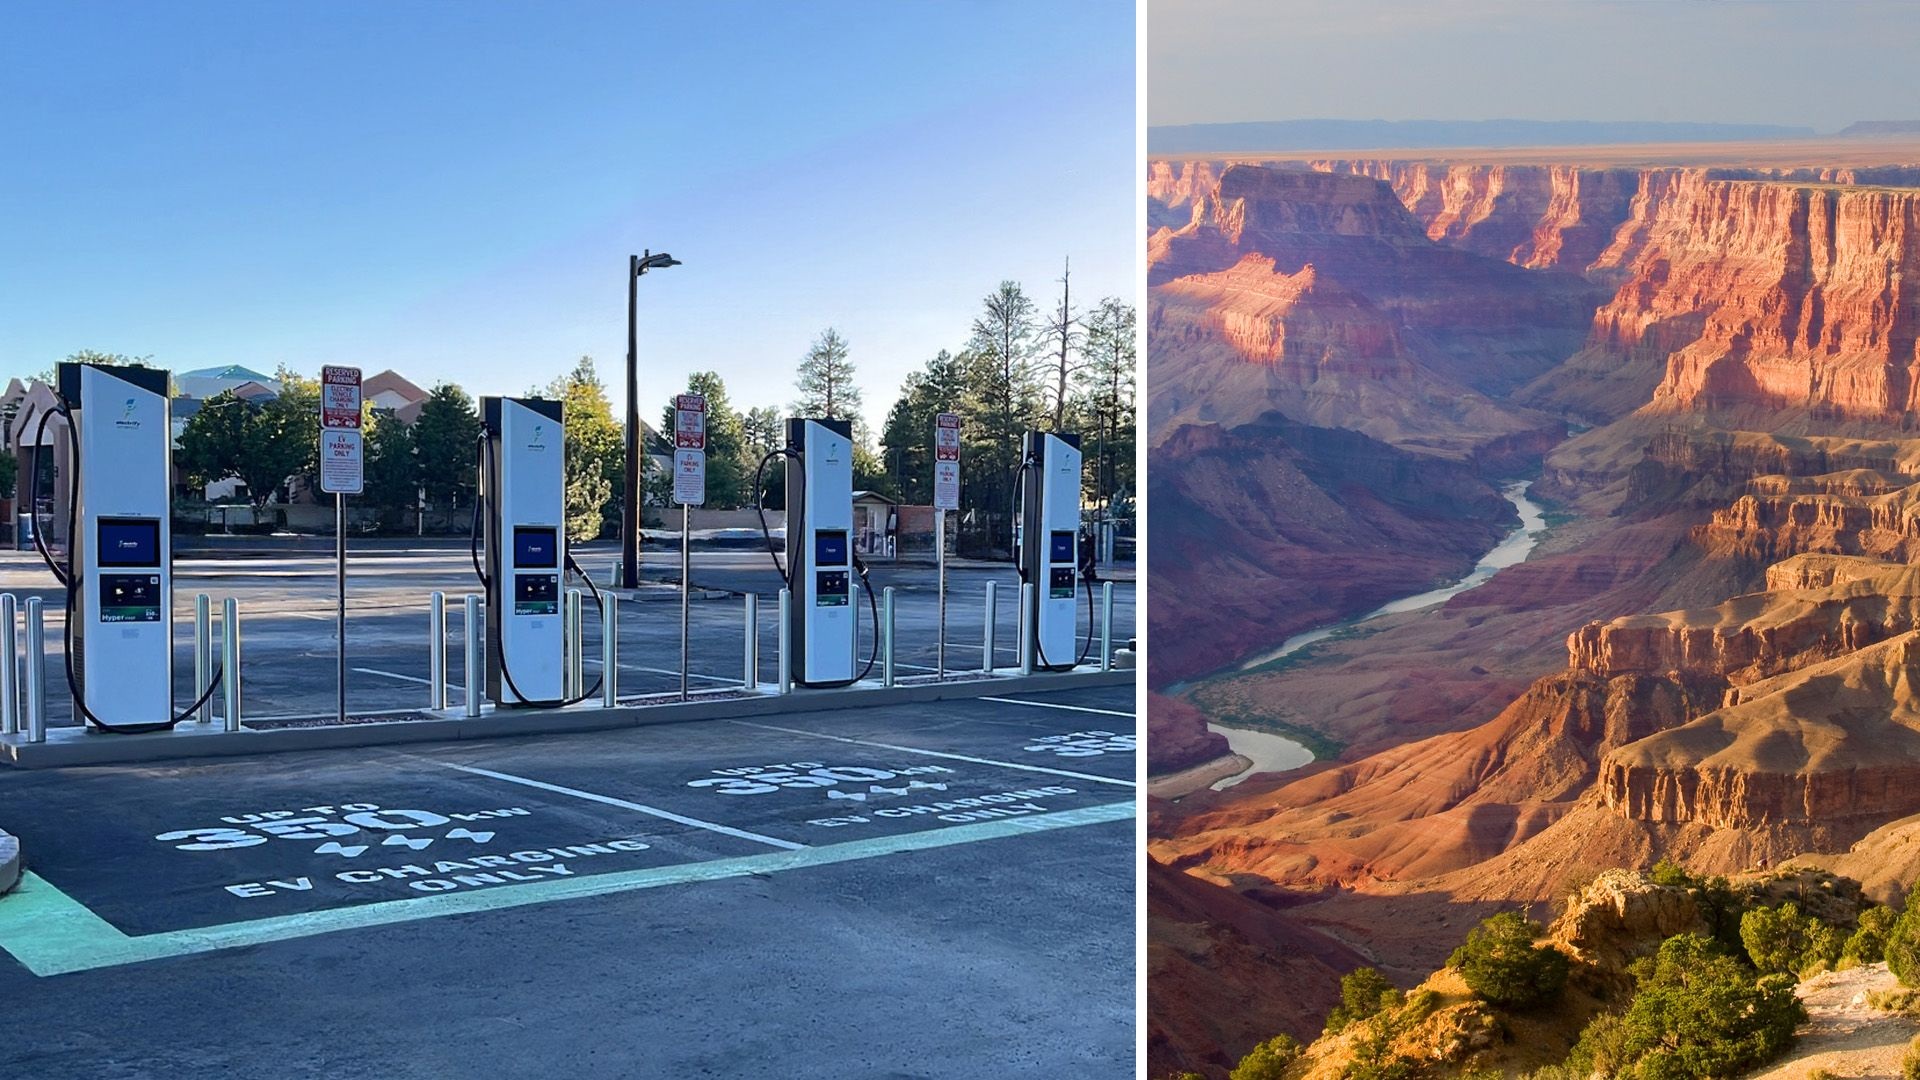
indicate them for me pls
(1778, 523)
(1760, 635)
(1443, 803)
(1837, 744)
(1177, 736)
(1701, 467)
(1620, 917)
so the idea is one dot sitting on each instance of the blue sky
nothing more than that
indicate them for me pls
(1801, 62)
(452, 190)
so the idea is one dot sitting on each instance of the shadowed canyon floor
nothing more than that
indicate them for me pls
(1709, 368)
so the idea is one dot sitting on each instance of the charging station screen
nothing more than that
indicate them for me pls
(830, 549)
(1062, 548)
(129, 542)
(536, 548)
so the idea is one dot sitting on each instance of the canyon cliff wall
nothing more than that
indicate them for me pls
(1761, 288)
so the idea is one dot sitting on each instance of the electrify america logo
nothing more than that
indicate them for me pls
(539, 440)
(126, 415)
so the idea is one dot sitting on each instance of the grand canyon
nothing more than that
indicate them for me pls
(1695, 369)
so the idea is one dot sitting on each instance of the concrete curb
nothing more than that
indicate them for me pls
(70, 746)
(9, 861)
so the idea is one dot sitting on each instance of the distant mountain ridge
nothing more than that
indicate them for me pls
(1417, 134)
(1882, 127)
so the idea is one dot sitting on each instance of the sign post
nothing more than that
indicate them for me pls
(946, 496)
(689, 490)
(342, 472)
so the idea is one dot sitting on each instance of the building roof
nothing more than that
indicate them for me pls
(232, 372)
(390, 380)
(207, 382)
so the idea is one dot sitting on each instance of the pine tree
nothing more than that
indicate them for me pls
(827, 391)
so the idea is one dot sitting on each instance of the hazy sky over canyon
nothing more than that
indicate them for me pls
(453, 189)
(1822, 65)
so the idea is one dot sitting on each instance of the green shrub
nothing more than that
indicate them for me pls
(1774, 937)
(1868, 945)
(1668, 872)
(1902, 946)
(1601, 1049)
(1363, 993)
(1373, 1056)
(1825, 943)
(1785, 940)
(1910, 1063)
(1269, 1060)
(1698, 1012)
(1420, 1005)
(1822, 1074)
(1501, 964)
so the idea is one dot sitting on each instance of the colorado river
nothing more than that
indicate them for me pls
(1277, 753)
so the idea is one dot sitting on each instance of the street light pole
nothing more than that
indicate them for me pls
(630, 508)
(630, 503)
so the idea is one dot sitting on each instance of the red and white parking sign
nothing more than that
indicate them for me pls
(339, 397)
(946, 461)
(342, 455)
(690, 450)
(690, 422)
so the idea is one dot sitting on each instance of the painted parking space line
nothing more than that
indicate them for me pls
(396, 675)
(50, 933)
(939, 754)
(771, 841)
(1059, 705)
(593, 661)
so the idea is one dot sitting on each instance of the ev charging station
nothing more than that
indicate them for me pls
(1048, 552)
(119, 563)
(822, 622)
(523, 487)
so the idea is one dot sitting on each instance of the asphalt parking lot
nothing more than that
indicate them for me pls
(934, 890)
(286, 603)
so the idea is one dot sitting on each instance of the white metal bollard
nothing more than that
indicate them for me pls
(1025, 636)
(886, 636)
(230, 662)
(1106, 626)
(575, 629)
(9, 666)
(610, 652)
(993, 613)
(203, 656)
(36, 680)
(786, 634)
(475, 635)
(751, 672)
(436, 650)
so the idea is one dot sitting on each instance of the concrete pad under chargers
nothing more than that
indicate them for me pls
(67, 746)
